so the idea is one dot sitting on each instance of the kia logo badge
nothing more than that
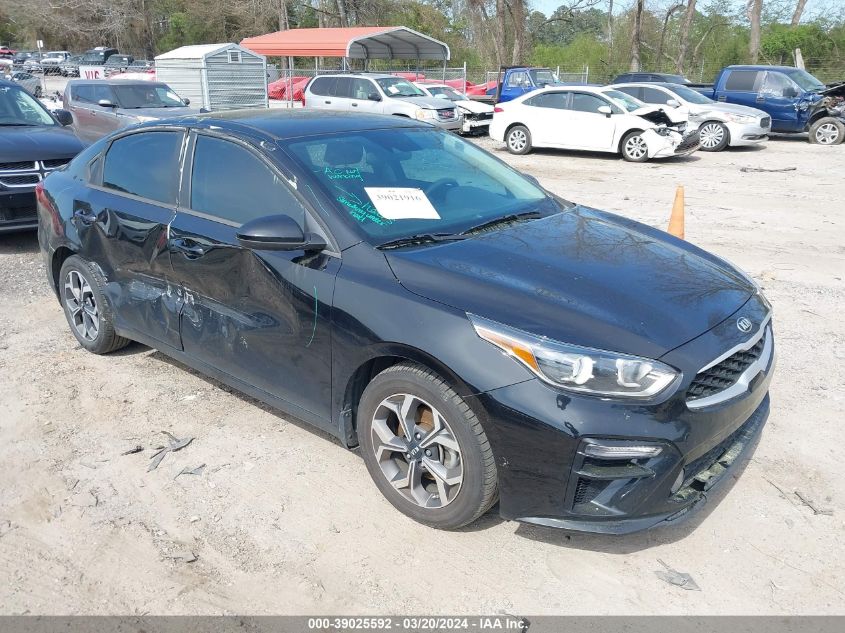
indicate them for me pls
(744, 325)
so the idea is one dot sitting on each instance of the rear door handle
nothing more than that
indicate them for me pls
(327, 102)
(86, 216)
(188, 247)
(354, 105)
(761, 99)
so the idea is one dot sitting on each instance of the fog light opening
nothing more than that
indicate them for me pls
(622, 452)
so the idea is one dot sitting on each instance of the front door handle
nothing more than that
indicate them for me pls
(327, 102)
(354, 105)
(189, 248)
(760, 99)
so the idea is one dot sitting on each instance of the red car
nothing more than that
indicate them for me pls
(5, 50)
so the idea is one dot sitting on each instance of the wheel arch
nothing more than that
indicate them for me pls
(60, 255)
(387, 356)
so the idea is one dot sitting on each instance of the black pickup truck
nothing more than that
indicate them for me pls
(33, 142)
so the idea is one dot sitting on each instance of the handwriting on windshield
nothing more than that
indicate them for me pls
(361, 211)
(350, 173)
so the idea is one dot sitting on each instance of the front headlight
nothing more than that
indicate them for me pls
(740, 118)
(576, 368)
(424, 115)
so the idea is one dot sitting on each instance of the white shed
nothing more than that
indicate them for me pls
(215, 76)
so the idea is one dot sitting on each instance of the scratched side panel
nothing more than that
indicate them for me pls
(260, 316)
(128, 241)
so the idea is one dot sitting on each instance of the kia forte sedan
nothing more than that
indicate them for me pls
(475, 336)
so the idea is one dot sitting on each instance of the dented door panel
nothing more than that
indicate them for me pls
(127, 237)
(261, 316)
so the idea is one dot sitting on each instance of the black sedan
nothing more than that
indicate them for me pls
(476, 336)
(33, 142)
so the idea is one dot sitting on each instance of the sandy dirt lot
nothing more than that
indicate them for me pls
(283, 520)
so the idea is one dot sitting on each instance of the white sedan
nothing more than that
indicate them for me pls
(592, 119)
(477, 115)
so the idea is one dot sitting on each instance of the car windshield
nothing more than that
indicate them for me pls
(146, 96)
(396, 87)
(804, 79)
(688, 94)
(96, 57)
(624, 101)
(543, 77)
(675, 79)
(18, 108)
(450, 94)
(396, 183)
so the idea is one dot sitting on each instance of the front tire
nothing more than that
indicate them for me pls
(827, 131)
(634, 148)
(425, 449)
(518, 140)
(714, 136)
(88, 313)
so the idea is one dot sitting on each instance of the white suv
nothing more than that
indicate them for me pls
(380, 94)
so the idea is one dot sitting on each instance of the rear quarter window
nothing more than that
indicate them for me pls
(323, 86)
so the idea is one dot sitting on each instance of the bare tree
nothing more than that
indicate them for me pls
(636, 37)
(683, 36)
(754, 10)
(799, 10)
(669, 13)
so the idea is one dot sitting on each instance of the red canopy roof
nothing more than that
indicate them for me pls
(360, 42)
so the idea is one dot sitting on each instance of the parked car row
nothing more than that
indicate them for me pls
(67, 64)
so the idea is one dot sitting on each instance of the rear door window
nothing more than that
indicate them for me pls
(635, 92)
(146, 165)
(343, 88)
(653, 95)
(742, 80)
(555, 100)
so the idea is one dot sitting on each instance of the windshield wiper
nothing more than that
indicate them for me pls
(508, 219)
(421, 238)
(20, 124)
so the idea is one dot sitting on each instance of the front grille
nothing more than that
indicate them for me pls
(54, 163)
(19, 181)
(724, 374)
(588, 489)
(765, 121)
(688, 142)
(482, 116)
(446, 114)
(17, 166)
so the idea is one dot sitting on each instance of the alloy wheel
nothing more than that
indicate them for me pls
(417, 451)
(80, 302)
(636, 147)
(711, 135)
(517, 140)
(827, 134)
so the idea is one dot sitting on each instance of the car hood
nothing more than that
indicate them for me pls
(660, 115)
(728, 108)
(157, 113)
(476, 107)
(430, 103)
(582, 276)
(37, 143)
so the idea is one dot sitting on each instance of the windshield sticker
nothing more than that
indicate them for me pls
(361, 211)
(349, 173)
(402, 203)
(392, 89)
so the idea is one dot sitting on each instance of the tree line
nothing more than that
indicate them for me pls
(691, 37)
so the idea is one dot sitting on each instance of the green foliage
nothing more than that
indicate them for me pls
(585, 49)
(780, 40)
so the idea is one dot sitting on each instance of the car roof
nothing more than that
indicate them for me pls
(760, 67)
(115, 82)
(281, 124)
(368, 75)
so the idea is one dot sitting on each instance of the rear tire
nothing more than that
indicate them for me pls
(425, 449)
(633, 147)
(518, 140)
(88, 313)
(827, 131)
(714, 136)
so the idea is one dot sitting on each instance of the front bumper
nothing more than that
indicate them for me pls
(744, 134)
(17, 211)
(476, 125)
(674, 144)
(539, 436)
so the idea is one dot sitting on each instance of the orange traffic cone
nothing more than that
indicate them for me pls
(676, 221)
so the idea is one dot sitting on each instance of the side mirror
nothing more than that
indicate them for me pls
(605, 110)
(673, 103)
(105, 103)
(187, 102)
(278, 233)
(374, 96)
(63, 116)
(789, 92)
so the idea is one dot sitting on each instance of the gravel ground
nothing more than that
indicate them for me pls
(284, 520)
